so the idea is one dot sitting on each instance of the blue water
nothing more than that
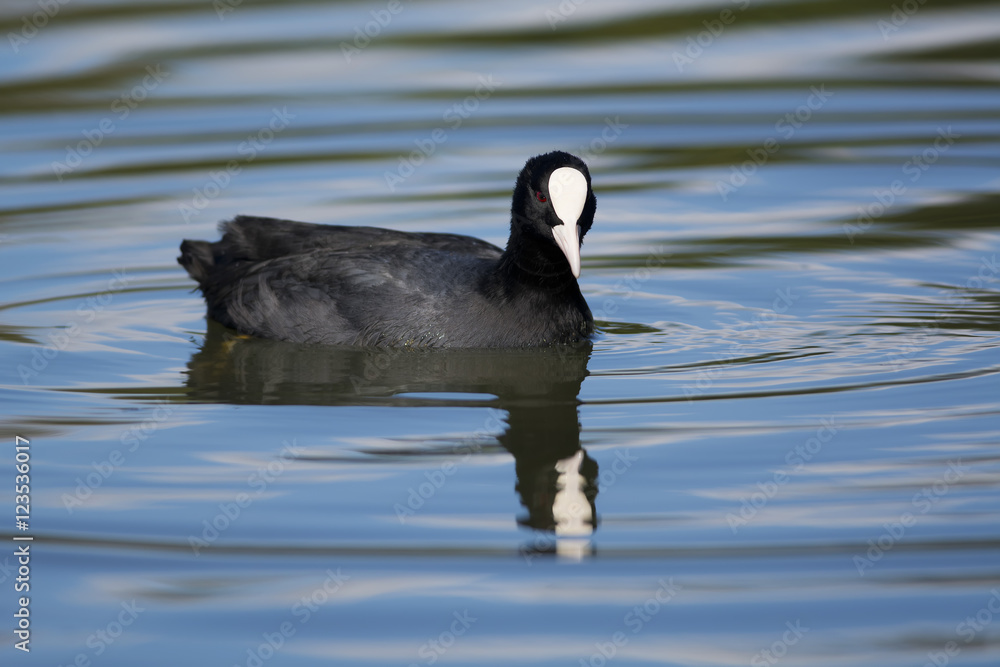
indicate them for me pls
(783, 445)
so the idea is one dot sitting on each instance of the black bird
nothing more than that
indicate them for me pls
(339, 285)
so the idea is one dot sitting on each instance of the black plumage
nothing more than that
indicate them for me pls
(345, 285)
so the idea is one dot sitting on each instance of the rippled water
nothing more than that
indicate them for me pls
(781, 448)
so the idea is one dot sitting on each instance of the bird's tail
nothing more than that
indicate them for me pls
(197, 259)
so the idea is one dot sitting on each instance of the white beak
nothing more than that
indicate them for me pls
(568, 240)
(568, 192)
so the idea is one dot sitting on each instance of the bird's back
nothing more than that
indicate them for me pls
(341, 285)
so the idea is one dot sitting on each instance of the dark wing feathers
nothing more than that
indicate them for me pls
(252, 238)
(334, 285)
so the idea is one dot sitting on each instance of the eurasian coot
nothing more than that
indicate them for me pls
(340, 285)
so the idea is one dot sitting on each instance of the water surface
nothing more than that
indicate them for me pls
(782, 446)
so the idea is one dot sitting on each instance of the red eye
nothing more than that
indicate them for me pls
(540, 197)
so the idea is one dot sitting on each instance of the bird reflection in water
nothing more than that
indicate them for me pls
(537, 388)
(559, 497)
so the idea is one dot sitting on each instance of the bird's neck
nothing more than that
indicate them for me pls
(535, 263)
